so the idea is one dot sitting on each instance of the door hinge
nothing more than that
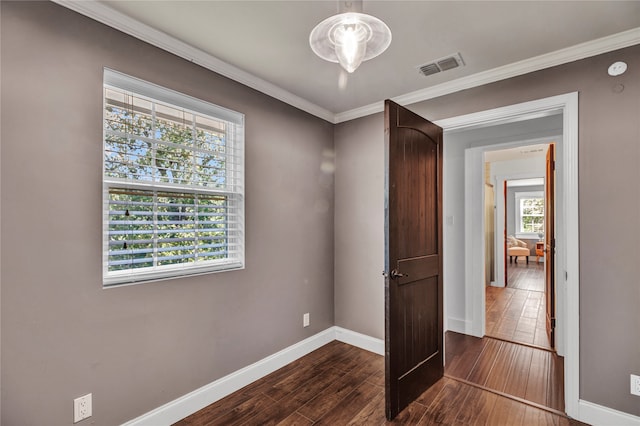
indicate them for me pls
(566, 276)
(553, 323)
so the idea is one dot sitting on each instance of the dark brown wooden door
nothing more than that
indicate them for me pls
(413, 258)
(550, 242)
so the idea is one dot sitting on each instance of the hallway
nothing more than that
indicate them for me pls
(517, 313)
(515, 357)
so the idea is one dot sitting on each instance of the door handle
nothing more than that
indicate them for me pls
(395, 274)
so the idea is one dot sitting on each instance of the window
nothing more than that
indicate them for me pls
(173, 184)
(529, 213)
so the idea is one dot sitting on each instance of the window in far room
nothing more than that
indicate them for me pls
(529, 214)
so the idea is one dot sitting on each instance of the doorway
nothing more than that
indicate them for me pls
(464, 228)
(515, 301)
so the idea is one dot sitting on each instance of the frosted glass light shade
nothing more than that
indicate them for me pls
(349, 39)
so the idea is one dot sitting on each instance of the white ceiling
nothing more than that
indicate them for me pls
(264, 44)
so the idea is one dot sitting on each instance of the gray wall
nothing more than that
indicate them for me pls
(136, 348)
(609, 154)
(359, 220)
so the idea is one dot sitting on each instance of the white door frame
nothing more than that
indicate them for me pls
(474, 229)
(567, 104)
(500, 208)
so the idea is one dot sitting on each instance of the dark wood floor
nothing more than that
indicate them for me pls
(517, 312)
(526, 276)
(524, 372)
(340, 384)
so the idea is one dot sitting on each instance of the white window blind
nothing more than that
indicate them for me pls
(173, 183)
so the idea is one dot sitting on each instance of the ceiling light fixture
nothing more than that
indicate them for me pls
(350, 38)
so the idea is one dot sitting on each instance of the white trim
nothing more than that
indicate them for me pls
(500, 207)
(548, 60)
(208, 394)
(597, 415)
(360, 340)
(156, 93)
(533, 109)
(569, 253)
(516, 183)
(193, 401)
(526, 235)
(458, 325)
(362, 111)
(474, 247)
(106, 15)
(498, 235)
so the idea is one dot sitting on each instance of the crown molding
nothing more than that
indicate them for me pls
(548, 60)
(108, 16)
(362, 111)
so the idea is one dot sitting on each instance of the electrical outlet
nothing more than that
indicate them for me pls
(82, 408)
(305, 320)
(635, 385)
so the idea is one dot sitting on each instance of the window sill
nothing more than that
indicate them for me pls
(127, 279)
(527, 237)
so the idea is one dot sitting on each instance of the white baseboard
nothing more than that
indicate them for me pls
(458, 325)
(598, 415)
(360, 340)
(190, 403)
(208, 394)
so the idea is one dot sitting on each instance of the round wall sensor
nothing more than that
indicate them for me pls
(617, 68)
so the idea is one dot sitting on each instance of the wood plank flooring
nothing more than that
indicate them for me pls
(339, 384)
(531, 374)
(517, 312)
(525, 276)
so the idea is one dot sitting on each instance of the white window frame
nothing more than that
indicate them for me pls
(518, 212)
(234, 141)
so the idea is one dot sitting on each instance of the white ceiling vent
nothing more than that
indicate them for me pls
(442, 64)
